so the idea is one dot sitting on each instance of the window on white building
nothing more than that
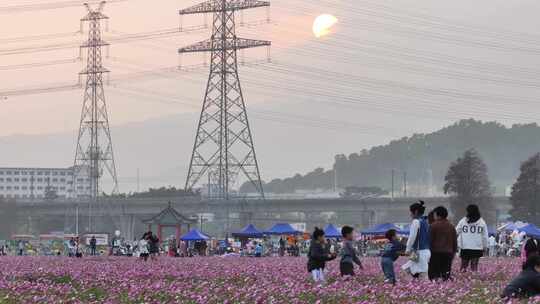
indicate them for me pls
(16, 179)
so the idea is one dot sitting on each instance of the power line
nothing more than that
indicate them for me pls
(49, 6)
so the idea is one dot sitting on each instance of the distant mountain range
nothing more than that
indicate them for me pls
(423, 159)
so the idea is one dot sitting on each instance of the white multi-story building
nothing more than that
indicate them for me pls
(28, 183)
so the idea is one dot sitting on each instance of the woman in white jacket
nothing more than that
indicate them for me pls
(473, 237)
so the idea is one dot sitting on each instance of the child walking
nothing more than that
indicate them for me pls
(348, 253)
(318, 255)
(390, 254)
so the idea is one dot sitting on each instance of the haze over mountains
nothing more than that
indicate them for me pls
(160, 148)
(424, 159)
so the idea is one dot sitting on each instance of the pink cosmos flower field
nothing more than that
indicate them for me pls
(233, 280)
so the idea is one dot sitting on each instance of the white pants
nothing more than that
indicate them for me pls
(318, 275)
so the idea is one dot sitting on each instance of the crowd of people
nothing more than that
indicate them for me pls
(430, 249)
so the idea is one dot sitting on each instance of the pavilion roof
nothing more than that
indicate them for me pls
(169, 216)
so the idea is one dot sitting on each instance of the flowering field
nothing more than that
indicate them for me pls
(230, 280)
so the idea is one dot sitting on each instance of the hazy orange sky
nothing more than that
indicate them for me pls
(391, 68)
(291, 28)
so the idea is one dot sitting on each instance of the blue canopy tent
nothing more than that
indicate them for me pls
(513, 226)
(530, 230)
(282, 229)
(250, 231)
(330, 231)
(194, 235)
(406, 230)
(381, 229)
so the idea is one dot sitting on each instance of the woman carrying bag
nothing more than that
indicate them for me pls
(418, 244)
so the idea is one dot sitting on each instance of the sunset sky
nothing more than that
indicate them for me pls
(386, 70)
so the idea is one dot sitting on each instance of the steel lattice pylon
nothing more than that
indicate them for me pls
(223, 146)
(94, 152)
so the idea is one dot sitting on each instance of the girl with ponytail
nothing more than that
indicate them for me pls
(418, 244)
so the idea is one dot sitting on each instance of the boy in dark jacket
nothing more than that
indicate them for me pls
(390, 254)
(318, 255)
(527, 283)
(348, 253)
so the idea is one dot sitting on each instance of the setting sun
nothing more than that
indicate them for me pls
(323, 24)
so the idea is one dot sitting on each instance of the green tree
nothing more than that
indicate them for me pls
(526, 192)
(467, 182)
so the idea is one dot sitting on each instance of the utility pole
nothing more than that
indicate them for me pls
(94, 151)
(393, 173)
(223, 142)
(405, 184)
(335, 180)
(138, 180)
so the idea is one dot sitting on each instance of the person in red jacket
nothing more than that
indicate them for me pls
(443, 245)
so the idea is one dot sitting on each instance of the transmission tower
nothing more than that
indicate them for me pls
(94, 152)
(223, 146)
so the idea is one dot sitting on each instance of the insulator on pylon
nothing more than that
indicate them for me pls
(180, 23)
(180, 61)
(268, 14)
(268, 58)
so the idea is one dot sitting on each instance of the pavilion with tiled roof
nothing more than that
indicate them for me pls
(169, 217)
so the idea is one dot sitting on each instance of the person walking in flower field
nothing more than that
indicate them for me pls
(473, 237)
(418, 244)
(318, 255)
(390, 254)
(348, 253)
